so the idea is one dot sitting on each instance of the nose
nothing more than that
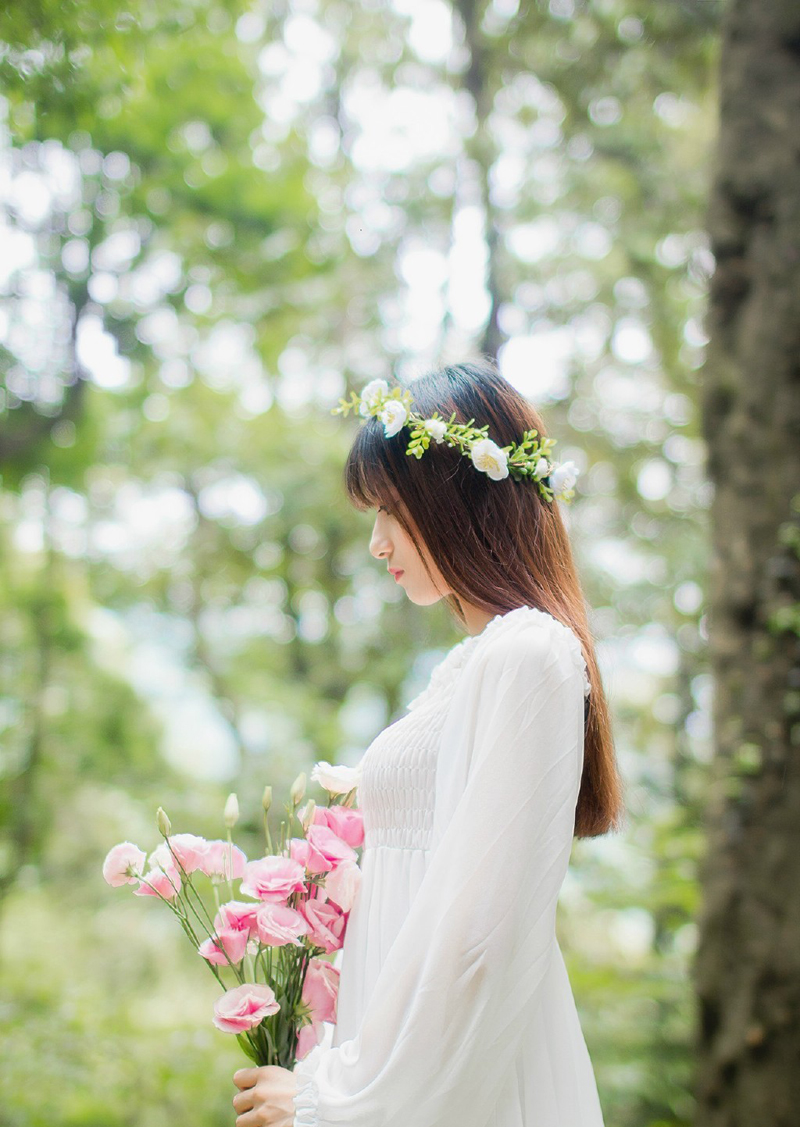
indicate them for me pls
(380, 544)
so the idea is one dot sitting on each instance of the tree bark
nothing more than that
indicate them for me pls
(747, 967)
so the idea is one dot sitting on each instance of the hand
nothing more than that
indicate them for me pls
(266, 1096)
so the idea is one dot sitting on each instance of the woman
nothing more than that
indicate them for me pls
(455, 1009)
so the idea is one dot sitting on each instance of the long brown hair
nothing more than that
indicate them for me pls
(498, 544)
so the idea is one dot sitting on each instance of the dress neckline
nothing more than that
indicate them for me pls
(450, 666)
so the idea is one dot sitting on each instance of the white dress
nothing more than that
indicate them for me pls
(455, 1009)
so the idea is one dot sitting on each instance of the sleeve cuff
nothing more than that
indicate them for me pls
(305, 1102)
(305, 1096)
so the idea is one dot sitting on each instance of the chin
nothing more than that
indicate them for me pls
(426, 598)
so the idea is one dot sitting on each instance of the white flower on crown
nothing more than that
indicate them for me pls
(372, 395)
(489, 459)
(564, 477)
(393, 416)
(436, 428)
(542, 469)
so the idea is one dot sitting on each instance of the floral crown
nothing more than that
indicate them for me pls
(526, 460)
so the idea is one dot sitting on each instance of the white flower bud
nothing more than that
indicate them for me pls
(298, 788)
(231, 813)
(266, 798)
(163, 822)
(308, 814)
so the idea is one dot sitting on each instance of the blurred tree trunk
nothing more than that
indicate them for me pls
(21, 803)
(481, 149)
(747, 971)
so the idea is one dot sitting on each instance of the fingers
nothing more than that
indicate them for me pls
(245, 1100)
(245, 1077)
(255, 1102)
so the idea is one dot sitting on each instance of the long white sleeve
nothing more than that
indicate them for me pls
(444, 1021)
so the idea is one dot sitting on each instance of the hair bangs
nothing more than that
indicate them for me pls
(367, 474)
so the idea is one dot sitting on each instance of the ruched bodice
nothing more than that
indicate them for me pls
(398, 775)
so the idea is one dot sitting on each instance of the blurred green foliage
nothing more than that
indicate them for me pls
(216, 218)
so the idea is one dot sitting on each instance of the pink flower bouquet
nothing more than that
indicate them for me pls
(272, 937)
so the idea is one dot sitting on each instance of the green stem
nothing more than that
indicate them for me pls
(188, 885)
(230, 865)
(187, 928)
(209, 923)
(270, 1044)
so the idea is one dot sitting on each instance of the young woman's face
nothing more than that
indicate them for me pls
(391, 543)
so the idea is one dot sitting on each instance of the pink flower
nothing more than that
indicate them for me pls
(346, 822)
(320, 993)
(308, 1037)
(342, 883)
(321, 989)
(326, 849)
(124, 864)
(312, 859)
(278, 924)
(229, 942)
(237, 916)
(220, 858)
(188, 849)
(273, 878)
(244, 1007)
(166, 884)
(161, 858)
(300, 851)
(326, 924)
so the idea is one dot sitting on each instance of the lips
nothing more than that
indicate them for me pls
(396, 572)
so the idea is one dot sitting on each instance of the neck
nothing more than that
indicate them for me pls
(475, 617)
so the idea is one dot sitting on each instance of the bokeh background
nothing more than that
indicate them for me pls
(216, 218)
